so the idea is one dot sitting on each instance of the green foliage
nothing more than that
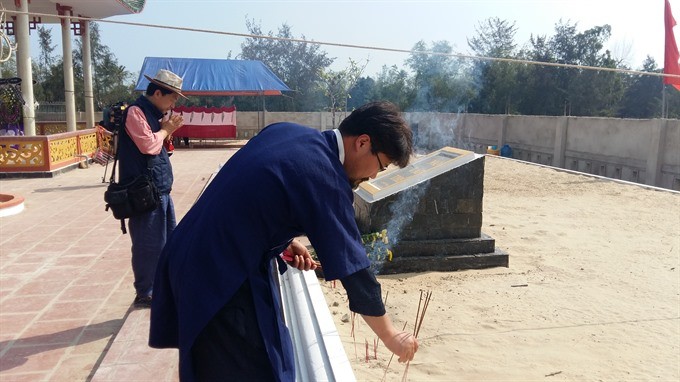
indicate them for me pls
(9, 68)
(673, 103)
(361, 93)
(111, 81)
(298, 64)
(47, 59)
(336, 86)
(642, 97)
(496, 80)
(394, 85)
(437, 82)
(432, 78)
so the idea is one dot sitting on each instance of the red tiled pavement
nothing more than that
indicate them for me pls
(66, 282)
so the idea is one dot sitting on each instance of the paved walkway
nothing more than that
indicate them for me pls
(66, 283)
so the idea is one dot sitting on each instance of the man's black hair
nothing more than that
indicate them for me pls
(389, 132)
(151, 88)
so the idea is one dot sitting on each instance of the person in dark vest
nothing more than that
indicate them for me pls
(215, 297)
(141, 151)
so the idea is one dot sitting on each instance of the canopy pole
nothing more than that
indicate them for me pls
(24, 69)
(264, 112)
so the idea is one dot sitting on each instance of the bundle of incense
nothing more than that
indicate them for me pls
(420, 316)
(419, 323)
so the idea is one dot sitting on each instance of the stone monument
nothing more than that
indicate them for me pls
(432, 211)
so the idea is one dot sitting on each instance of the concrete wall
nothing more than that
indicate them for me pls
(638, 150)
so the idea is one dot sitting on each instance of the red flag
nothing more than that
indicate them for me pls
(671, 56)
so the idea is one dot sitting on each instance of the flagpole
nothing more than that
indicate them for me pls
(663, 101)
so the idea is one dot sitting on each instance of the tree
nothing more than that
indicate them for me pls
(538, 94)
(673, 103)
(642, 98)
(46, 59)
(496, 79)
(363, 92)
(436, 78)
(590, 92)
(298, 64)
(8, 68)
(394, 85)
(550, 90)
(336, 85)
(44, 66)
(585, 92)
(51, 88)
(111, 82)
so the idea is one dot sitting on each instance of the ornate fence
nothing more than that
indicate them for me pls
(46, 153)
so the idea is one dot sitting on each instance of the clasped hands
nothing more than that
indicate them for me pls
(173, 123)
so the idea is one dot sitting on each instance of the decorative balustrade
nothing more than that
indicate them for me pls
(46, 153)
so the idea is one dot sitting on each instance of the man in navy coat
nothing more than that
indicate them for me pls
(214, 295)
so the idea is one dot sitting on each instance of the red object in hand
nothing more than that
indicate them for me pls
(287, 255)
(169, 147)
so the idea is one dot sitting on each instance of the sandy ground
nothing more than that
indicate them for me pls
(592, 292)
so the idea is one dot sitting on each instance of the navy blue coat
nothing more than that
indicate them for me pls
(285, 182)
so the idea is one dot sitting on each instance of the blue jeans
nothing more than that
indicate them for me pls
(148, 233)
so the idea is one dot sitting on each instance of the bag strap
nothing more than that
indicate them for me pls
(115, 139)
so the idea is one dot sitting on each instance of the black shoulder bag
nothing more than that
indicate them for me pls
(131, 199)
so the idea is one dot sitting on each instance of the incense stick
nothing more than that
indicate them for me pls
(419, 323)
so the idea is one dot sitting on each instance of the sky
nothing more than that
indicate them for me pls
(637, 26)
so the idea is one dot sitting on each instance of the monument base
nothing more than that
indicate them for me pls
(444, 255)
(450, 263)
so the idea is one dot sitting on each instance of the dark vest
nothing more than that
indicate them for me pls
(133, 163)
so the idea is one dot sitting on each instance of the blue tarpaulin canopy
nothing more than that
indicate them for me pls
(213, 77)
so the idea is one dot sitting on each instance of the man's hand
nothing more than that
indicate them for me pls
(403, 344)
(173, 123)
(297, 256)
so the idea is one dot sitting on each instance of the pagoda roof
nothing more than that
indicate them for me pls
(99, 9)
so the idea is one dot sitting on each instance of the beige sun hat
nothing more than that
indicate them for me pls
(167, 80)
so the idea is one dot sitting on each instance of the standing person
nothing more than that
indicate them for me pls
(215, 298)
(141, 150)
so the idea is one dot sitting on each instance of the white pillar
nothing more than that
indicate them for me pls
(24, 68)
(87, 73)
(69, 93)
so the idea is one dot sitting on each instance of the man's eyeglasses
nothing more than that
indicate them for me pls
(382, 168)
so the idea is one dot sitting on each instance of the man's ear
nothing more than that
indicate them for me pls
(362, 142)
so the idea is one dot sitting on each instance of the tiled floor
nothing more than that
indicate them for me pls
(66, 282)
